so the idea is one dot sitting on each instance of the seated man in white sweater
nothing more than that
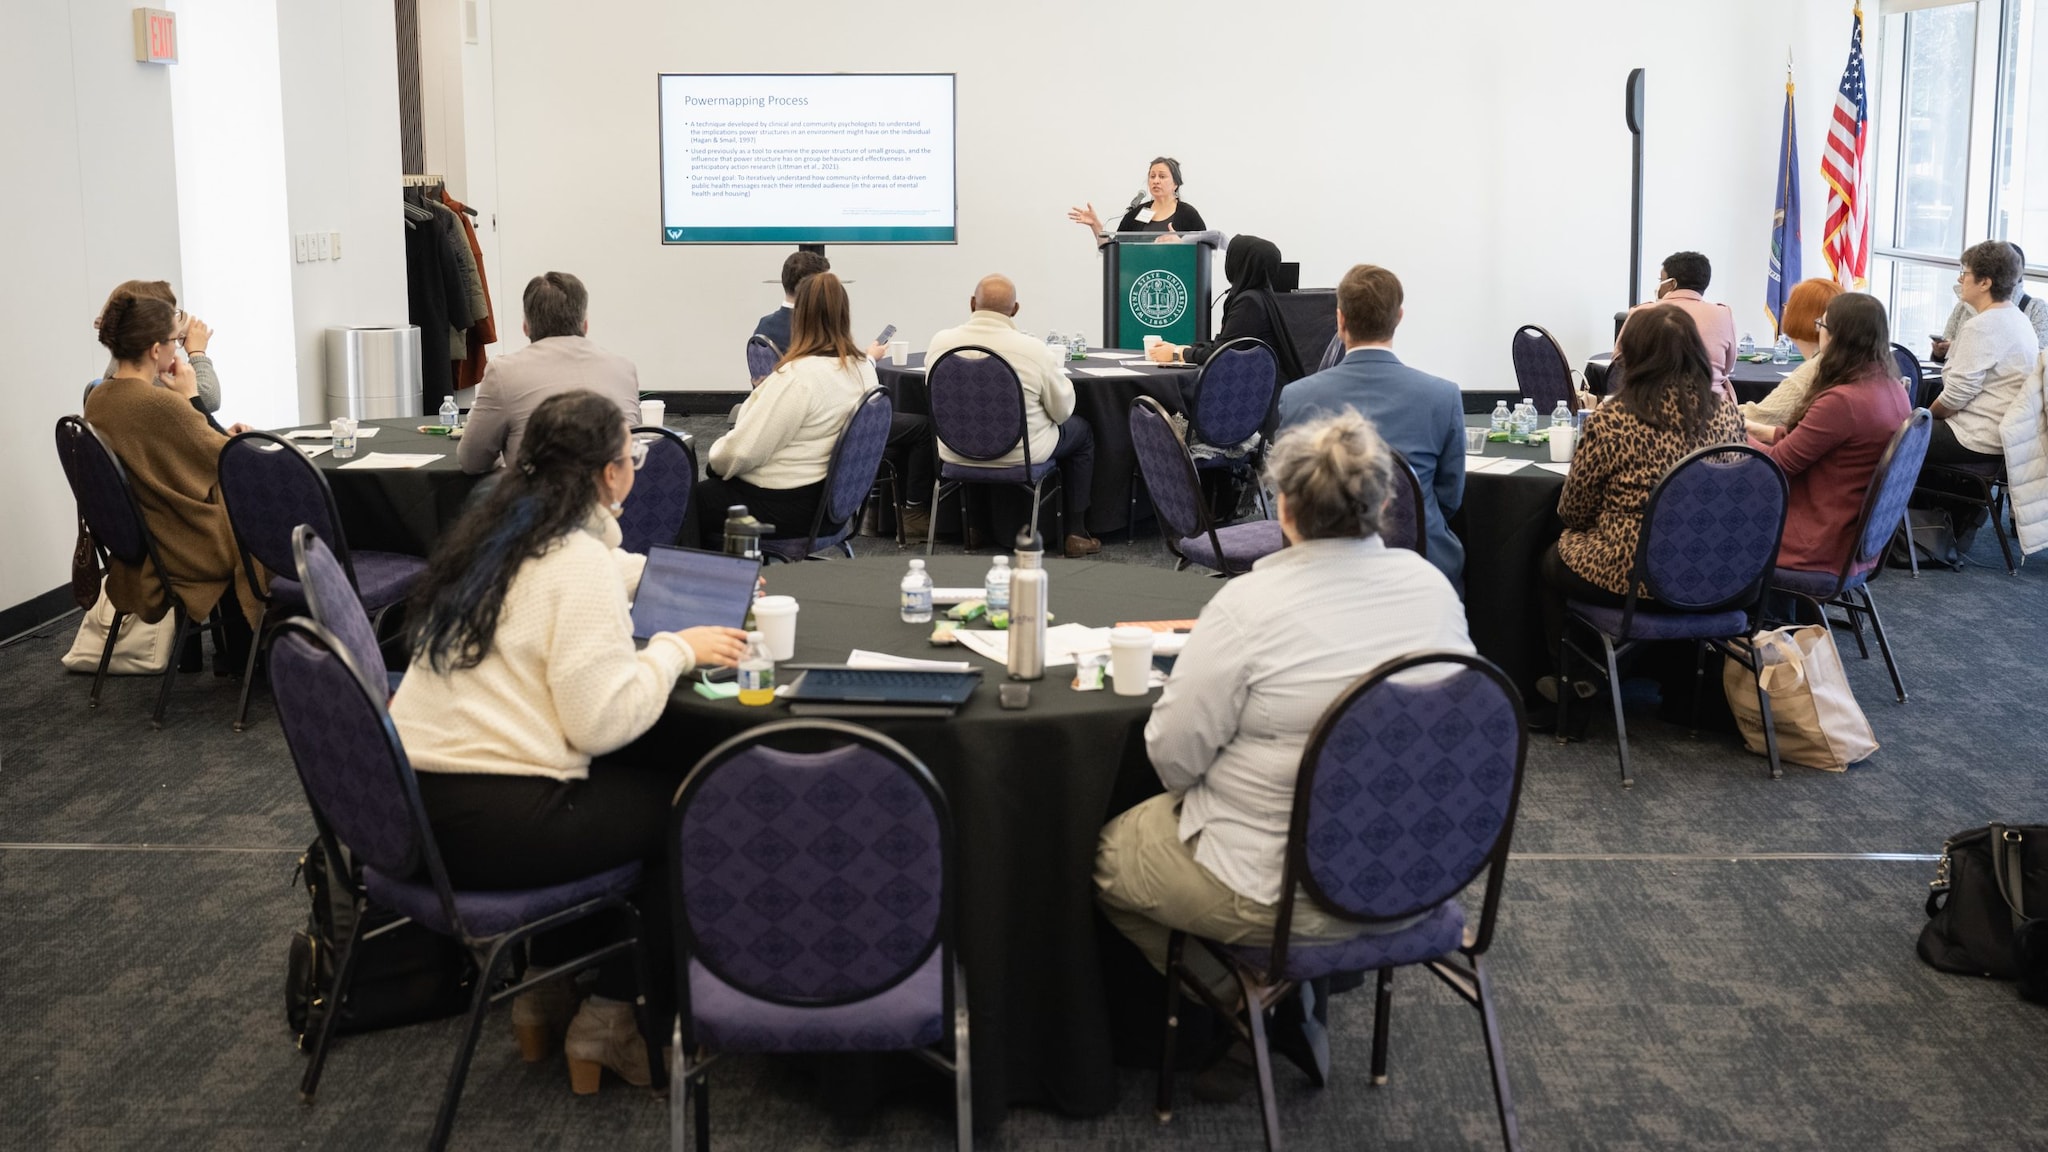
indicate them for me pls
(523, 671)
(1050, 426)
(774, 459)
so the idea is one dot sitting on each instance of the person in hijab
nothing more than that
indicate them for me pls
(1251, 263)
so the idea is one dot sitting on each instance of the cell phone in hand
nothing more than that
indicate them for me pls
(887, 334)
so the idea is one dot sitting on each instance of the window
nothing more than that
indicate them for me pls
(2021, 164)
(1934, 130)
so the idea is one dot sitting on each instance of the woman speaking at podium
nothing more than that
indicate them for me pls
(1166, 212)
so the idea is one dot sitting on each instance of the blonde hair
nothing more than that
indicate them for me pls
(1336, 473)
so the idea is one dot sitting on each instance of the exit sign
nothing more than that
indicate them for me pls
(156, 36)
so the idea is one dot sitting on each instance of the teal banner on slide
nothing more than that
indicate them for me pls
(806, 235)
(1157, 290)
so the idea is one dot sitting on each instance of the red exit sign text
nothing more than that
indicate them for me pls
(156, 36)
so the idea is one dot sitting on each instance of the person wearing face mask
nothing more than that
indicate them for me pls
(172, 456)
(524, 677)
(2033, 308)
(1680, 281)
(1165, 211)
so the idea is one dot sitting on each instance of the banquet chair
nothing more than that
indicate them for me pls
(1985, 482)
(1406, 794)
(1541, 370)
(1704, 553)
(1884, 508)
(1909, 373)
(660, 500)
(333, 604)
(850, 477)
(106, 501)
(761, 357)
(364, 796)
(1177, 503)
(1308, 321)
(977, 410)
(840, 938)
(1234, 393)
(1402, 523)
(269, 489)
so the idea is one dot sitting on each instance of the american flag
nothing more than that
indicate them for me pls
(1847, 246)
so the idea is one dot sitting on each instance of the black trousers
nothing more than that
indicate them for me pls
(1076, 456)
(910, 453)
(789, 510)
(499, 832)
(1562, 583)
(1960, 498)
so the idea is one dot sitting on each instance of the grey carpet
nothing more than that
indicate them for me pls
(1675, 998)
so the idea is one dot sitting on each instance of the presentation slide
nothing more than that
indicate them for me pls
(804, 159)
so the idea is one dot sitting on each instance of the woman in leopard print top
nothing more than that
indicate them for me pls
(1665, 410)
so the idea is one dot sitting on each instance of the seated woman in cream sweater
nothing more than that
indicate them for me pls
(523, 670)
(774, 459)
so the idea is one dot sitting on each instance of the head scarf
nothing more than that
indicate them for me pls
(1251, 263)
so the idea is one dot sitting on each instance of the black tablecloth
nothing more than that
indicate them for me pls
(1029, 792)
(1103, 401)
(1506, 522)
(1753, 381)
(397, 509)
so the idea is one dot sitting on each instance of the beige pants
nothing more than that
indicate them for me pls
(1150, 885)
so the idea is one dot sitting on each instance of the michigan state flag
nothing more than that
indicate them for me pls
(1786, 261)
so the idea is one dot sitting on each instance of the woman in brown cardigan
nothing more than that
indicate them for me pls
(172, 457)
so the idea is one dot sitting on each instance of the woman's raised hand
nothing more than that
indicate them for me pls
(1086, 215)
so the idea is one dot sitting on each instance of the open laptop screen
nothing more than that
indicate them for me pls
(688, 588)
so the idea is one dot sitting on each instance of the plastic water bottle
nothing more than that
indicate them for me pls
(1745, 347)
(1077, 346)
(1502, 418)
(1781, 352)
(917, 595)
(450, 414)
(1058, 344)
(996, 593)
(757, 671)
(1560, 415)
(1518, 432)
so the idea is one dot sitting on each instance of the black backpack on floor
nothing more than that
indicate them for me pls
(1988, 907)
(402, 976)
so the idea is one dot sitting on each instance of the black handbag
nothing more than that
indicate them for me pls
(1930, 537)
(1978, 910)
(402, 975)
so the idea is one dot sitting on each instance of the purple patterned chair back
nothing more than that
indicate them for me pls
(811, 878)
(1401, 524)
(1884, 505)
(1710, 530)
(762, 355)
(1169, 472)
(1909, 372)
(270, 488)
(332, 600)
(856, 459)
(654, 509)
(1234, 392)
(100, 486)
(347, 752)
(977, 404)
(1407, 791)
(1541, 370)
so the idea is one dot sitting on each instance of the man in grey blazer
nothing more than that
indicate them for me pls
(1421, 415)
(561, 358)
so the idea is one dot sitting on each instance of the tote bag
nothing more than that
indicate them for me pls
(142, 650)
(1818, 722)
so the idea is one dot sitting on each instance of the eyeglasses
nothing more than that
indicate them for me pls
(1822, 325)
(636, 449)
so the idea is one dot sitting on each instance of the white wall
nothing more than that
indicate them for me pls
(90, 199)
(1476, 149)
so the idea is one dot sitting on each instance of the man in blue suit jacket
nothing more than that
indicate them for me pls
(1421, 415)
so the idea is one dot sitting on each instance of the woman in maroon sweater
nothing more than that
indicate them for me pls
(1830, 447)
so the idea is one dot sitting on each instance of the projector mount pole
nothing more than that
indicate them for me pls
(1633, 112)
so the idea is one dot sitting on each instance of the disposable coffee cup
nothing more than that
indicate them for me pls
(653, 413)
(775, 617)
(1475, 441)
(1151, 340)
(1130, 660)
(899, 352)
(1561, 442)
(343, 429)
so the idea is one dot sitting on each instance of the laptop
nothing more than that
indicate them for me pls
(691, 588)
(880, 692)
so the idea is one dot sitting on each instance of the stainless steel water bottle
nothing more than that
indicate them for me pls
(743, 532)
(1027, 608)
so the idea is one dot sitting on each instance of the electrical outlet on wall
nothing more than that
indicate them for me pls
(299, 247)
(321, 246)
(334, 245)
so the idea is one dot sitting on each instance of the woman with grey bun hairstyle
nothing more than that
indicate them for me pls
(1269, 653)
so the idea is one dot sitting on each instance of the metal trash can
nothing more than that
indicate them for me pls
(373, 373)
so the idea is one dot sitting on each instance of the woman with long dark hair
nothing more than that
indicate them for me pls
(523, 671)
(1667, 408)
(1830, 446)
(774, 459)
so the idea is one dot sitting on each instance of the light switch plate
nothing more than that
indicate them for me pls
(334, 245)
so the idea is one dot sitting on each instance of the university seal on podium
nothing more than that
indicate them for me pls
(1158, 299)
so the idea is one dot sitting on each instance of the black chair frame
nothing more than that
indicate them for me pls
(941, 486)
(494, 955)
(1248, 467)
(1740, 649)
(1991, 496)
(885, 474)
(1206, 525)
(693, 1061)
(1262, 993)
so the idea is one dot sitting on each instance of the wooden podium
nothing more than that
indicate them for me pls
(1156, 284)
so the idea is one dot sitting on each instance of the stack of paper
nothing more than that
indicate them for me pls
(862, 658)
(394, 460)
(1062, 643)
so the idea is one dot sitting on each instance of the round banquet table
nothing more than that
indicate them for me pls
(1029, 792)
(1753, 380)
(1507, 520)
(396, 509)
(1103, 401)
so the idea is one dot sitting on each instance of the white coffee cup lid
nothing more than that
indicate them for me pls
(776, 604)
(1130, 635)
